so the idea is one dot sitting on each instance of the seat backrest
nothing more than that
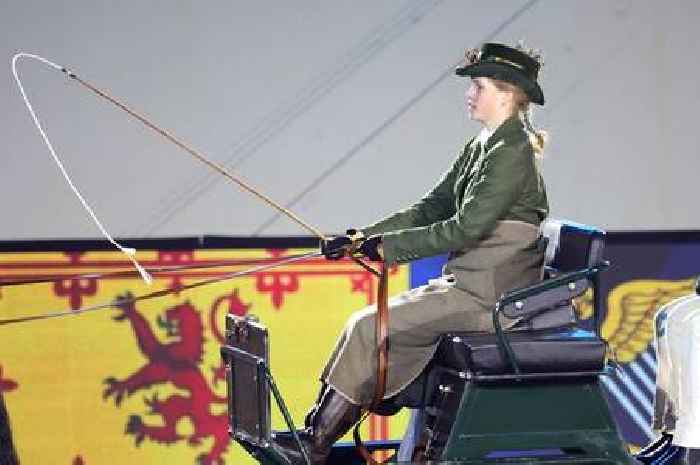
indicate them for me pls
(572, 246)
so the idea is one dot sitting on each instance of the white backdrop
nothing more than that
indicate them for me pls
(347, 101)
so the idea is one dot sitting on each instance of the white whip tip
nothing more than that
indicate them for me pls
(129, 251)
(145, 275)
(35, 57)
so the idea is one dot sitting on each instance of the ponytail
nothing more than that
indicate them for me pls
(538, 137)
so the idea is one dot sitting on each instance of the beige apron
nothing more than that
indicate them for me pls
(461, 300)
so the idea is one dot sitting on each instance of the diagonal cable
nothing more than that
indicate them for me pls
(388, 122)
(279, 119)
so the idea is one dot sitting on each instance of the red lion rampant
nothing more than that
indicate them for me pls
(175, 362)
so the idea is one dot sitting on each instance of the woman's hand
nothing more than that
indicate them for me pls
(372, 248)
(353, 244)
(336, 248)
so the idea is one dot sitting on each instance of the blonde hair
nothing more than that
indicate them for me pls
(538, 137)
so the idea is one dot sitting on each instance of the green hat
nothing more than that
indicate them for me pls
(507, 64)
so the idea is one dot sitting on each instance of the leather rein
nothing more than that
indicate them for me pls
(381, 324)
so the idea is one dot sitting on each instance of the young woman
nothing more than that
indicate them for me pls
(485, 212)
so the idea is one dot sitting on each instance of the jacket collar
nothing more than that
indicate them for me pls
(509, 128)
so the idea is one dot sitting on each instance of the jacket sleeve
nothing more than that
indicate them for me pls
(500, 180)
(438, 204)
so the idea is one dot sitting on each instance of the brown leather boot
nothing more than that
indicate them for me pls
(308, 419)
(333, 417)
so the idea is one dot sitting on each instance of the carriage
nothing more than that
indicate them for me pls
(529, 394)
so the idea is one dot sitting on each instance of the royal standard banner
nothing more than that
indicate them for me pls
(143, 383)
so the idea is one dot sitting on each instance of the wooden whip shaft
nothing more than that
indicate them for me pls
(213, 165)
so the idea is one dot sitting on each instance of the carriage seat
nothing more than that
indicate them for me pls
(555, 350)
(544, 337)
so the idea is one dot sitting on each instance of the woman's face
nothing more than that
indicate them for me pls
(486, 103)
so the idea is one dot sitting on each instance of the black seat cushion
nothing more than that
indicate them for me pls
(548, 351)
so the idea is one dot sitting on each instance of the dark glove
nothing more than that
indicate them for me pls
(336, 248)
(369, 248)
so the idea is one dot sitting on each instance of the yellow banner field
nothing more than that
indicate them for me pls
(143, 384)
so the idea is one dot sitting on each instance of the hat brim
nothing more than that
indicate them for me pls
(505, 73)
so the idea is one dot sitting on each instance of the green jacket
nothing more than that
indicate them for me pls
(500, 181)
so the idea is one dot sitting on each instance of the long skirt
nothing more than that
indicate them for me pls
(677, 400)
(413, 338)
